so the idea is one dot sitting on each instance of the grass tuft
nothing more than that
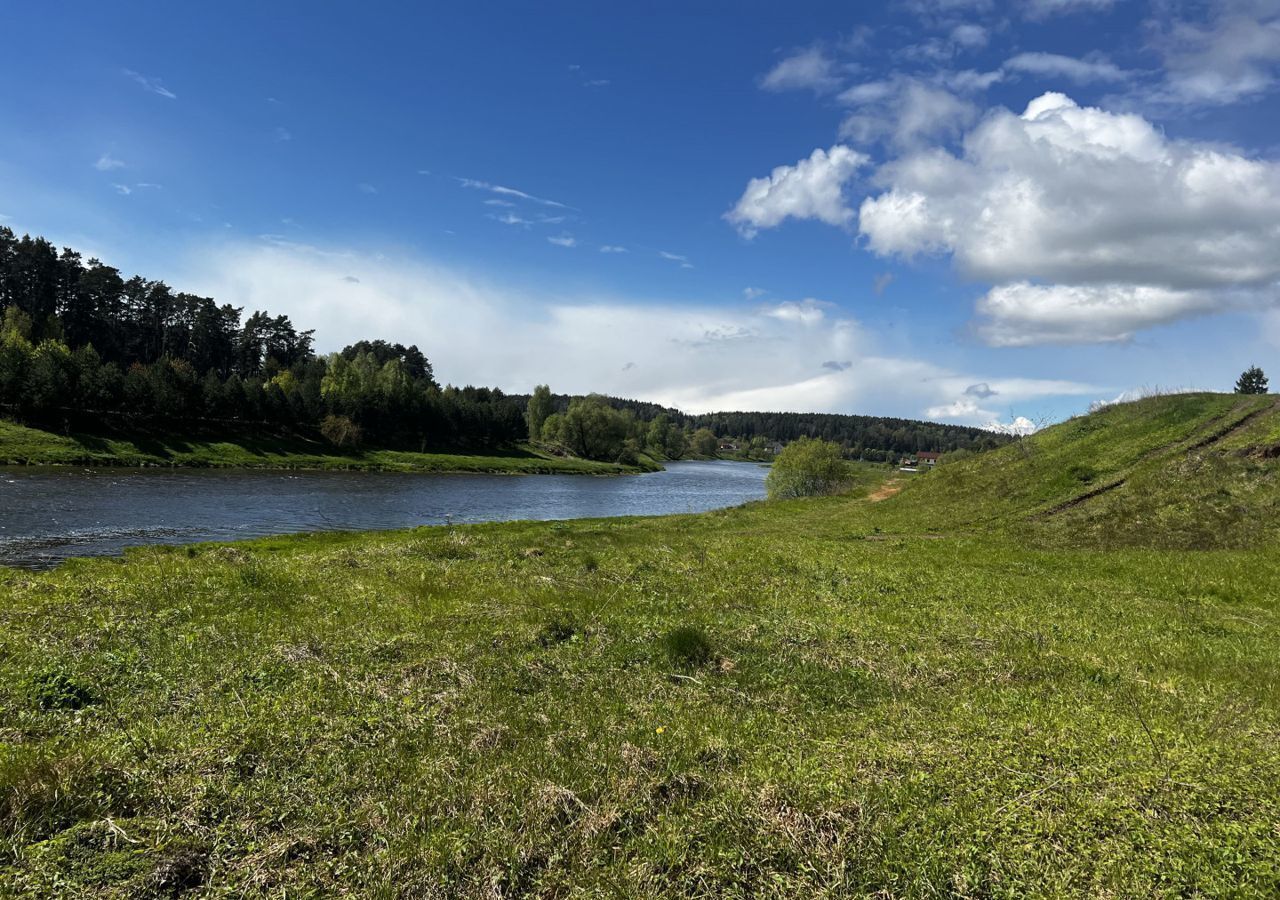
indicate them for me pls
(54, 688)
(688, 646)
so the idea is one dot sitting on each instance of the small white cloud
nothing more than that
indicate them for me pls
(123, 189)
(753, 293)
(612, 248)
(424, 171)
(813, 188)
(805, 312)
(969, 36)
(596, 82)
(1020, 426)
(151, 84)
(809, 69)
(564, 240)
(1054, 65)
(106, 162)
(494, 201)
(963, 408)
(283, 134)
(881, 282)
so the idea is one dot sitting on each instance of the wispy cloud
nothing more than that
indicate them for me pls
(697, 356)
(123, 189)
(676, 257)
(283, 134)
(597, 82)
(809, 69)
(106, 162)
(512, 219)
(1055, 65)
(613, 248)
(151, 84)
(510, 192)
(564, 240)
(365, 188)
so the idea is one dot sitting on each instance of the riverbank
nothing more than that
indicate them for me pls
(22, 445)
(959, 690)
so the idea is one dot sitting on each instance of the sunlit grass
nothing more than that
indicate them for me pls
(824, 697)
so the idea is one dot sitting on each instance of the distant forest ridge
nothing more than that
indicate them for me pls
(81, 346)
(866, 437)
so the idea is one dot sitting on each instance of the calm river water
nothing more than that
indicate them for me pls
(48, 514)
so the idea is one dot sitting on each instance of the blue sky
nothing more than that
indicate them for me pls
(959, 210)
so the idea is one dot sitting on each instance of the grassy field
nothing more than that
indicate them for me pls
(954, 690)
(30, 446)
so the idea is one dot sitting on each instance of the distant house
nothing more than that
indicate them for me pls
(928, 458)
(730, 446)
(775, 448)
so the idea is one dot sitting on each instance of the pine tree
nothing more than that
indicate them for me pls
(1251, 381)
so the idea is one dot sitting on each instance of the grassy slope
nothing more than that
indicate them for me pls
(901, 703)
(1193, 471)
(23, 445)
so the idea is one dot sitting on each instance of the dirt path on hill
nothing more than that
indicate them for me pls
(885, 491)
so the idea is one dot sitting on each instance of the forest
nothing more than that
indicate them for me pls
(874, 438)
(82, 347)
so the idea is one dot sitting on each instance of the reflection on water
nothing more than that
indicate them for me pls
(47, 515)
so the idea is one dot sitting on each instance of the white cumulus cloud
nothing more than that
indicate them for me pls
(1090, 224)
(813, 188)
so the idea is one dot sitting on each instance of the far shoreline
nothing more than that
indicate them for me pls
(23, 446)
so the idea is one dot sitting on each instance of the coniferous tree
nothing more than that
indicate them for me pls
(1251, 381)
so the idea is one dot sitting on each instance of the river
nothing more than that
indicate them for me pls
(50, 514)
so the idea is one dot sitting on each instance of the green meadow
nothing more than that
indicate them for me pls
(1050, 670)
(21, 445)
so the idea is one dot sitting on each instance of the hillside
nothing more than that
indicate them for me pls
(1190, 471)
(962, 690)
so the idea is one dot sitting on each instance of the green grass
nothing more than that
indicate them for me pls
(907, 698)
(30, 446)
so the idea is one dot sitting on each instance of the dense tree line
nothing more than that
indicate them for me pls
(79, 343)
(860, 437)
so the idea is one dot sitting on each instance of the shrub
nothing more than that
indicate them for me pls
(55, 689)
(341, 431)
(807, 468)
(688, 646)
